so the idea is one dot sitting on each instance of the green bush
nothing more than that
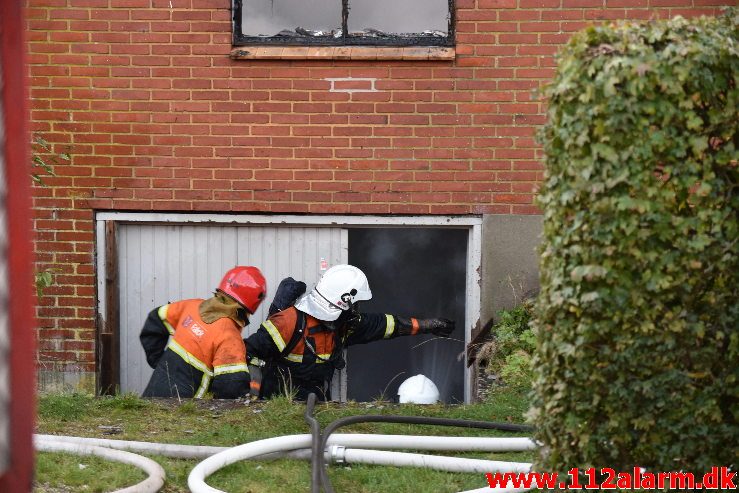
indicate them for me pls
(509, 354)
(518, 372)
(637, 321)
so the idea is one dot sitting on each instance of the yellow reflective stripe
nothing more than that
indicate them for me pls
(162, 312)
(236, 368)
(298, 358)
(275, 334)
(204, 384)
(389, 325)
(295, 358)
(189, 358)
(256, 362)
(323, 357)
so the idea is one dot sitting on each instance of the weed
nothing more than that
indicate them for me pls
(188, 408)
(383, 397)
(289, 391)
(124, 402)
(44, 279)
(509, 354)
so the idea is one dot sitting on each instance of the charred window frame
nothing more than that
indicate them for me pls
(346, 38)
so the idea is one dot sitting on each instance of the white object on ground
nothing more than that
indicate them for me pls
(418, 389)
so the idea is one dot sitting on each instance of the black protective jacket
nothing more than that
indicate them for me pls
(300, 353)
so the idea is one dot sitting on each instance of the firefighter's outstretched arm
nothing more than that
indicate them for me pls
(441, 327)
(155, 334)
(367, 327)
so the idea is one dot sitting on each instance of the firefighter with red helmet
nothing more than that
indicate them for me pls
(195, 345)
(300, 346)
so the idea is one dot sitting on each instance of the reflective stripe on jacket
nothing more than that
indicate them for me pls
(191, 357)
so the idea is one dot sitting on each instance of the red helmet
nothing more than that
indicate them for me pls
(246, 285)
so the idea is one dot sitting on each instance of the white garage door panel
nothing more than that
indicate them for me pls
(163, 263)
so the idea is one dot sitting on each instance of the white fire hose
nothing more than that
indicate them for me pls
(343, 447)
(196, 479)
(154, 471)
(357, 440)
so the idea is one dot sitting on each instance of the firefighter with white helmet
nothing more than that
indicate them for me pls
(195, 345)
(338, 290)
(301, 345)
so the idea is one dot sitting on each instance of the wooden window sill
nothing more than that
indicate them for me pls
(343, 53)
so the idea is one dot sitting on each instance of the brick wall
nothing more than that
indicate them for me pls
(157, 116)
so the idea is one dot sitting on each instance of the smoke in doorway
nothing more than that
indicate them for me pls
(418, 272)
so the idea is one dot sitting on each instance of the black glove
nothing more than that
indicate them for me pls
(441, 327)
(287, 293)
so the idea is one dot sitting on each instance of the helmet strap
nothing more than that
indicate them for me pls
(329, 301)
(243, 314)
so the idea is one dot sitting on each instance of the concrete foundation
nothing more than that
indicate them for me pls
(510, 271)
(510, 261)
(66, 378)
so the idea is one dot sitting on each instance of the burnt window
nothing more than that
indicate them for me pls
(344, 22)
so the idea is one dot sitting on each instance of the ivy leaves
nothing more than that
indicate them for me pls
(637, 321)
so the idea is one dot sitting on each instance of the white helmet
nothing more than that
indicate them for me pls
(338, 288)
(418, 390)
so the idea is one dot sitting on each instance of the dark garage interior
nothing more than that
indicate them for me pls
(417, 272)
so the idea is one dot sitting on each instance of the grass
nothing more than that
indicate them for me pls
(230, 423)
(82, 473)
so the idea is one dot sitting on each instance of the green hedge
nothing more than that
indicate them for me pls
(637, 321)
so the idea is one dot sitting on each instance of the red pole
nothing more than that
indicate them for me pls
(20, 308)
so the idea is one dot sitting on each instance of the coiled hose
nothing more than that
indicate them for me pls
(318, 468)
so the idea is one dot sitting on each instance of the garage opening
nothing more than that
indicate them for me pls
(417, 272)
(417, 266)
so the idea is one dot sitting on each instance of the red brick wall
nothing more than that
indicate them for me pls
(158, 117)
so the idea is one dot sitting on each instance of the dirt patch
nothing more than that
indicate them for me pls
(213, 405)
